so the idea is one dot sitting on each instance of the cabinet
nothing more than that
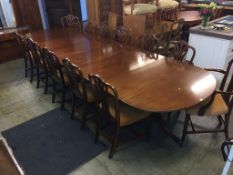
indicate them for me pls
(214, 48)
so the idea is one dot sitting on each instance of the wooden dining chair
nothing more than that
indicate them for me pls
(180, 49)
(176, 30)
(35, 61)
(112, 110)
(22, 44)
(57, 75)
(121, 35)
(71, 21)
(82, 94)
(42, 72)
(218, 105)
(162, 40)
(146, 42)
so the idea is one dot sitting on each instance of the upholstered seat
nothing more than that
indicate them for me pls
(128, 114)
(164, 4)
(218, 107)
(140, 9)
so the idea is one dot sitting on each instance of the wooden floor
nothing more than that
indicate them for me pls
(20, 101)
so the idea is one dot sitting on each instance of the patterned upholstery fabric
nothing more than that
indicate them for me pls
(140, 9)
(163, 4)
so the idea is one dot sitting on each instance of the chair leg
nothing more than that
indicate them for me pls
(114, 142)
(38, 76)
(84, 118)
(63, 98)
(226, 126)
(186, 123)
(97, 126)
(54, 91)
(31, 74)
(26, 67)
(46, 83)
(73, 107)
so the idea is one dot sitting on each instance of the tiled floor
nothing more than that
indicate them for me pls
(21, 101)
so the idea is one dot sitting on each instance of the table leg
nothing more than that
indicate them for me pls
(166, 130)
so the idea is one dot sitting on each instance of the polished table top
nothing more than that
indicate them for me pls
(191, 17)
(149, 84)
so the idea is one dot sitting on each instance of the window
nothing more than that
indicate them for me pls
(7, 18)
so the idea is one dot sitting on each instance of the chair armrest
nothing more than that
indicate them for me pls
(216, 70)
(223, 92)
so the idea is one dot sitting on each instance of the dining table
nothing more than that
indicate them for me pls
(150, 83)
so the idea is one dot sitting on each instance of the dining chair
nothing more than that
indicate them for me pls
(218, 105)
(22, 44)
(218, 12)
(71, 21)
(57, 75)
(162, 40)
(180, 49)
(137, 8)
(121, 35)
(115, 112)
(42, 72)
(147, 41)
(82, 94)
(176, 30)
(35, 61)
(168, 14)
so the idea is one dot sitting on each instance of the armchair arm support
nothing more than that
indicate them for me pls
(216, 70)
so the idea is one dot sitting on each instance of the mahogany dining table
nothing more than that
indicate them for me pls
(151, 84)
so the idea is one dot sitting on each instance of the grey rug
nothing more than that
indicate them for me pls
(52, 144)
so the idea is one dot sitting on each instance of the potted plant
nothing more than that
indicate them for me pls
(206, 11)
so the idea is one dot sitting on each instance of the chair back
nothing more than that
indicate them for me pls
(32, 53)
(161, 40)
(76, 79)
(37, 54)
(218, 12)
(169, 14)
(122, 36)
(71, 21)
(176, 30)
(180, 50)
(147, 42)
(54, 66)
(106, 98)
(23, 44)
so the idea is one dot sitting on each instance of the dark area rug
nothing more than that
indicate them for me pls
(52, 144)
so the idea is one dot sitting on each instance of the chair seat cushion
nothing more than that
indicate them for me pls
(218, 107)
(140, 9)
(128, 114)
(164, 4)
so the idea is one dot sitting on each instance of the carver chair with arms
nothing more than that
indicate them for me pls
(218, 105)
(180, 49)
